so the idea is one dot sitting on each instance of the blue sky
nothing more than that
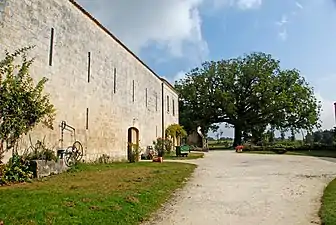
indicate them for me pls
(173, 36)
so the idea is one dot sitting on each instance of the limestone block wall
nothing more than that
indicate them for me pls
(171, 113)
(170, 108)
(96, 84)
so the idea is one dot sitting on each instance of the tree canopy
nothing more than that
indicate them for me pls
(249, 93)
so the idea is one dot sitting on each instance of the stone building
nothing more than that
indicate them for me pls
(97, 85)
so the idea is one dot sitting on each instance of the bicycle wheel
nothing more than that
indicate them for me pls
(77, 148)
(69, 157)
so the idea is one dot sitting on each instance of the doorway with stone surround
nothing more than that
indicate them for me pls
(132, 139)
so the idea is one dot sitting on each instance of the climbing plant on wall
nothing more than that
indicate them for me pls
(23, 104)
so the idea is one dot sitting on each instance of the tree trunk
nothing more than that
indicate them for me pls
(237, 136)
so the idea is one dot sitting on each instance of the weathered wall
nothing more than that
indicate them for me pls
(110, 111)
(170, 108)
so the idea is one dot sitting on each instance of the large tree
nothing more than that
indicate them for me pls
(249, 93)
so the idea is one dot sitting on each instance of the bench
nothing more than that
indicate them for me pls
(182, 150)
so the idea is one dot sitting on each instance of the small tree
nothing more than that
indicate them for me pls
(176, 131)
(22, 104)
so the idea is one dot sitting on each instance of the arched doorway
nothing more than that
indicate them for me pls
(133, 138)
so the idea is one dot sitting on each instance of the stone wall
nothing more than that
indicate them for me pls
(170, 108)
(96, 84)
(43, 168)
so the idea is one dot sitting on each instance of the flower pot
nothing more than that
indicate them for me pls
(160, 159)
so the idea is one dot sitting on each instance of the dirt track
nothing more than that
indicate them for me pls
(237, 189)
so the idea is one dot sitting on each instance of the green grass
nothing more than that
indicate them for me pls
(191, 155)
(328, 209)
(316, 153)
(119, 193)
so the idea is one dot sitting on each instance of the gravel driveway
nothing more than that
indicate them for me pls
(238, 189)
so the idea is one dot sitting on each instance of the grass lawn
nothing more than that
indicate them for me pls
(118, 193)
(191, 155)
(316, 153)
(328, 209)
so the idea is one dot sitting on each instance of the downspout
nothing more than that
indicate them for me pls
(163, 111)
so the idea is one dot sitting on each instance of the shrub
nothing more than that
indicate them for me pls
(22, 104)
(162, 146)
(135, 152)
(40, 152)
(17, 170)
(2, 174)
(168, 145)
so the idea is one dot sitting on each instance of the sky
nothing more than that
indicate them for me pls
(174, 36)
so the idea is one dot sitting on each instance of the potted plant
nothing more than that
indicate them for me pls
(159, 146)
(239, 148)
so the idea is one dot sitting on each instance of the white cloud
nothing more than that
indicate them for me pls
(170, 25)
(298, 5)
(327, 113)
(249, 4)
(325, 92)
(241, 4)
(283, 21)
(282, 33)
(166, 24)
(180, 75)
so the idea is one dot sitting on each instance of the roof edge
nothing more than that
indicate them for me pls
(78, 6)
(169, 85)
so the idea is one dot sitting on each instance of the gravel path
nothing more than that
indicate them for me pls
(236, 189)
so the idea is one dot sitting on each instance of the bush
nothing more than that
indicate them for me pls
(135, 152)
(294, 147)
(162, 146)
(168, 145)
(17, 170)
(40, 152)
(2, 174)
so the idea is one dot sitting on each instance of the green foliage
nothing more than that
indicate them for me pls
(22, 104)
(2, 174)
(168, 145)
(248, 93)
(135, 152)
(17, 170)
(325, 137)
(39, 151)
(328, 208)
(162, 146)
(176, 130)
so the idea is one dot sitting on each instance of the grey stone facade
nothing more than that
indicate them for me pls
(96, 84)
